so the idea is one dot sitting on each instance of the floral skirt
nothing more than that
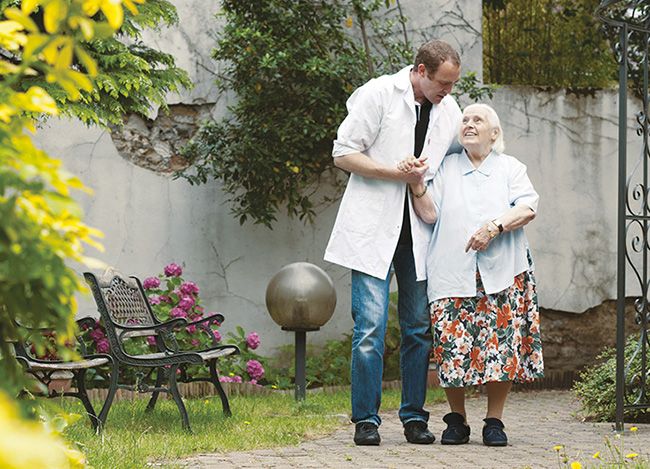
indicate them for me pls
(488, 337)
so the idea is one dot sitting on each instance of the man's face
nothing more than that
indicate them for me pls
(437, 86)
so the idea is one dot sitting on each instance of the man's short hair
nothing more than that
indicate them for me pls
(435, 52)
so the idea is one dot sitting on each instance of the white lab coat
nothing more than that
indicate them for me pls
(381, 124)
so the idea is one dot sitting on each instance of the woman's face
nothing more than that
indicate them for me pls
(475, 130)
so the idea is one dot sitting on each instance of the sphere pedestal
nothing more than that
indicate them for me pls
(300, 298)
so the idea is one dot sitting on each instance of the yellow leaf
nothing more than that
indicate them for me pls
(64, 59)
(51, 50)
(7, 67)
(72, 92)
(79, 79)
(36, 99)
(132, 8)
(90, 7)
(349, 22)
(18, 16)
(114, 13)
(41, 101)
(86, 60)
(28, 6)
(54, 12)
(10, 37)
(33, 44)
(87, 28)
(6, 112)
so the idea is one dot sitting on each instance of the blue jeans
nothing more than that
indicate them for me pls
(370, 314)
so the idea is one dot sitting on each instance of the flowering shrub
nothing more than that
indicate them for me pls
(247, 366)
(171, 296)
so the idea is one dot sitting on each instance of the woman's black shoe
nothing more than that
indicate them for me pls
(493, 434)
(456, 433)
(366, 434)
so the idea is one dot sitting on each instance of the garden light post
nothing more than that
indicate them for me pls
(300, 298)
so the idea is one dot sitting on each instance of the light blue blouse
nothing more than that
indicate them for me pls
(466, 198)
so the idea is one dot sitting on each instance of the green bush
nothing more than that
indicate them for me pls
(596, 386)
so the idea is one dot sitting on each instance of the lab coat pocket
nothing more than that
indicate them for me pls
(364, 212)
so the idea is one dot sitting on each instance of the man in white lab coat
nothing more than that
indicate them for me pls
(390, 118)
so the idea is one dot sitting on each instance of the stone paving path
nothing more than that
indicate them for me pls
(535, 423)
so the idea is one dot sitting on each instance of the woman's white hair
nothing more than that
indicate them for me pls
(493, 119)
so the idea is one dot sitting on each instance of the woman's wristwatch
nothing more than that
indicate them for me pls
(494, 228)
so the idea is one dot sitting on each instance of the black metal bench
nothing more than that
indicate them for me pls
(44, 369)
(126, 313)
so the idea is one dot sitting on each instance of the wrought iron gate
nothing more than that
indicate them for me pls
(630, 20)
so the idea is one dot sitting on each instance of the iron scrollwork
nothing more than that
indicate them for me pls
(629, 23)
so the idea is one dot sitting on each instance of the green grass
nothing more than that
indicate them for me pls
(132, 438)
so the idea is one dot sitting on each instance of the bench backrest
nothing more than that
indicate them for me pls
(121, 301)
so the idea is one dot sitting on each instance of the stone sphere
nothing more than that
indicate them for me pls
(301, 296)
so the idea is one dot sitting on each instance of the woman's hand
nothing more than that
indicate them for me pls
(480, 240)
(413, 169)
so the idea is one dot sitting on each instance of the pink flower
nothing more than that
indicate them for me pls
(173, 270)
(186, 303)
(195, 342)
(165, 299)
(189, 288)
(150, 283)
(191, 329)
(237, 379)
(217, 335)
(177, 313)
(151, 340)
(154, 300)
(97, 334)
(253, 340)
(254, 369)
(103, 346)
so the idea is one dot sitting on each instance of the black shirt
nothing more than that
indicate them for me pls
(421, 126)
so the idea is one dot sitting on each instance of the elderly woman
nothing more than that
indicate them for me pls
(481, 289)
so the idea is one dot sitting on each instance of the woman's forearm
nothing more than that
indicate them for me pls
(423, 203)
(516, 217)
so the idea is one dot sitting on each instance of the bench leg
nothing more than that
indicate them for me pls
(83, 396)
(214, 379)
(112, 389)
(160, 376)
(173, 389)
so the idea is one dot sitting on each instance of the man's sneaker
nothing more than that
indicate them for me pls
(416, 431)
(493, 434)
(456, 433)
(366, 434)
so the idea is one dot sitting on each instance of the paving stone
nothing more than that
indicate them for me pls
(535, 423)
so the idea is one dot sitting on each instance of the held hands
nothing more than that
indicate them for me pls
(413, 169)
